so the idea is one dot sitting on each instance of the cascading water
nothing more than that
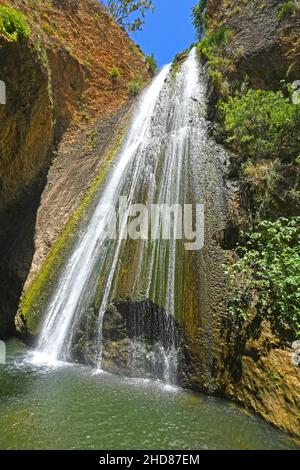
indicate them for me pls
(151, 168)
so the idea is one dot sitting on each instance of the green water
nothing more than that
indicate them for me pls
(70, 407)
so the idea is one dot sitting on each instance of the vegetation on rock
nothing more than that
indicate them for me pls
(214, 40)
(13, 24)
(262, 125)
(267, 276)
(152, 65)
(211, 47)
(288, 7)
(134, 87)
(115, 73)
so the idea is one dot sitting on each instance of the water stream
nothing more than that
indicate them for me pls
(151, 168)
(92, 249)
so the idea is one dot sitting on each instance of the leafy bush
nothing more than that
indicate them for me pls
(134, 87)
(262, 125)
(152, 65)
(115, 73)
(267, 276)
(263, 178)
(199, 18)
(212, 48)
(288, 7)
(13, 24)
(214, 40)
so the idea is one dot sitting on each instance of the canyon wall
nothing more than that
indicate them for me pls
(63, 107)
(261, 51)
(62, 125)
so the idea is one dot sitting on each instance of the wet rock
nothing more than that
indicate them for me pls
(138, 339)
(60, 119)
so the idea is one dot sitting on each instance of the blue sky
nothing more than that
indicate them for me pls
(168, 30)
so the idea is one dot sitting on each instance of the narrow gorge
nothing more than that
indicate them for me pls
(92, 140)
(166, 159)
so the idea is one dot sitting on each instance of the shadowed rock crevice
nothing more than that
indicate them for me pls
(25, 154)
(16, 253)
(58, 90)
(138, 339)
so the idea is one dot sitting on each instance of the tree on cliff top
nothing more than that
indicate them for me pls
(199, 18)
(130, 13)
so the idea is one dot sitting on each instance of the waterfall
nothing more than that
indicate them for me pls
(151, 168)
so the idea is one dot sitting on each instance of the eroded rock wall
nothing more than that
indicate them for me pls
(264, 44)
(255, 364)
(57, 80)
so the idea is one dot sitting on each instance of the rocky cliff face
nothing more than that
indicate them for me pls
(62, 109)
(63, 122)
(27, 131)
(264, 43)
(255, 364)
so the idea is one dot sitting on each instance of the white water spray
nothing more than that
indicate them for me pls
(150, 166)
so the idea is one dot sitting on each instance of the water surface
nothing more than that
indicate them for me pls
(70, 407)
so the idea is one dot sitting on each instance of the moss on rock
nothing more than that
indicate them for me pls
(13, 24)
(39, 290)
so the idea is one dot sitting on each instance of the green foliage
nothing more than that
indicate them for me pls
(267, 276)
(262, 125)
(13, 24)
(130, 13)
(288, 7)
(115, 73)
(134, 87)
(199, 18)
(263, 178)
(272, 378)
(212, 48)
(214, 40)
(152, 65)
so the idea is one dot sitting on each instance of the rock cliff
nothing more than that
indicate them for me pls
(261, 50)
(63, 121)
(264, 43)
(63, 106)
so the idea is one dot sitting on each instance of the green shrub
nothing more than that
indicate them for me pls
(267, 276)
(13, 24)
(263, 178)
(214, 40)
(115, 73)
(152, 65)
(288, 7)
(262, 125)
(134, 87)
(219, 65)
